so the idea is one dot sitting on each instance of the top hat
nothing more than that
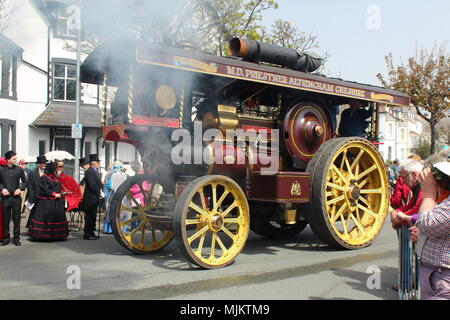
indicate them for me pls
(83, 161)
(93, 157)
(41, 159)
(9, 154)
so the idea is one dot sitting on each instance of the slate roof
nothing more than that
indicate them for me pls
(63, 115)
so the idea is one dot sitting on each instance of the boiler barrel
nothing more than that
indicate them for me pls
(255, 51)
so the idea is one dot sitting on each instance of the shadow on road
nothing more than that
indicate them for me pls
(358, 281)
(171, 257)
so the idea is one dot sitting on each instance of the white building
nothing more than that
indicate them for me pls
(38, 86)
(400, 129)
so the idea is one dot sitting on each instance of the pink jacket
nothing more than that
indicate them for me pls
(137, 194)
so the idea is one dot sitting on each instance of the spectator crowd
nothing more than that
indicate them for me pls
(46, 194)
(421, 200)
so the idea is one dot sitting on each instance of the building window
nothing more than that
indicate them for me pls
(42, 147)
(402, 135)
(8, 135)
(389, 153)
(65, 83)
(8, 67)
(87, 148)
(390, 130)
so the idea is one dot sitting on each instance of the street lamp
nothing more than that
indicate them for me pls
(74, 23)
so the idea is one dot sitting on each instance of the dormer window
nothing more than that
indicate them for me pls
(8, 68)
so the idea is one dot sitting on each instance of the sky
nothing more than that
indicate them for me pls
(358, 34)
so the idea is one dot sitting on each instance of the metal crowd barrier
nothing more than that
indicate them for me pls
(408, 279)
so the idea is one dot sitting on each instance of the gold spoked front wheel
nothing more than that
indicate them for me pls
(130, 212)
(212, 221)
(349, 194)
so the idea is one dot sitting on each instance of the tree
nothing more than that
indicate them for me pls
(285, 34)
(422, 149)
(225, 19)
(425, 78)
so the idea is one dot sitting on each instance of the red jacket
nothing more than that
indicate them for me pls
(400, 194)
(413, 204)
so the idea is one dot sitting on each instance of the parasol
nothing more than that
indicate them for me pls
(59, 155)
(72, 192)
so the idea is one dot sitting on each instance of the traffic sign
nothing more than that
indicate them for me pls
(77, 129)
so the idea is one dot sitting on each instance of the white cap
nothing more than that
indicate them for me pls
(444, 167)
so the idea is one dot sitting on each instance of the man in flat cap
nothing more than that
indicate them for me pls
(91, 196)
(12, 182)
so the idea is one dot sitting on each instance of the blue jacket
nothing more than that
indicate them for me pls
(354, 124)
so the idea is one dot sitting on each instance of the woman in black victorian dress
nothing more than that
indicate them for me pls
(49, 220)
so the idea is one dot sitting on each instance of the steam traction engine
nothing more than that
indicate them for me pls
(167, 103)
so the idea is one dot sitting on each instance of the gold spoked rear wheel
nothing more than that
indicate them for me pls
(130, 207)
(349, 193)
(212, 221)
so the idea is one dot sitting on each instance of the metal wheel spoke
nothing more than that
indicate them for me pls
(347, 164)
(153, 235)
(344, 225)
(362, 184)
(142, 235)
(202, 199)
(358, 225)
(231, 207)
(370, 191)
(197, 234)
(193, 221)
(339, 213)
(374, 167)
(222, 246)
(134, 210)
(339, 173)
(122, 224)
(232, 220)
(225, 193)
(356, 161)
(335, 200)
(358, 215)
(214, 195)
(133, 232)
(213, 245)
(344, 156)
(228, 233)
(200, 245)
(335, 186)
(367, 210)
(197, 208)
(363, 200)
(332, 212)
(357, 170)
